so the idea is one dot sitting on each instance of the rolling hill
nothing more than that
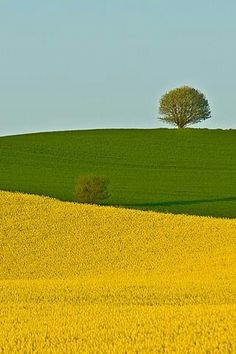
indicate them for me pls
(190, 171)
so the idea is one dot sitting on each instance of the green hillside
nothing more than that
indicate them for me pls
(191, 171)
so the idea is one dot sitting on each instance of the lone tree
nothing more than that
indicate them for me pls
(91, 189)
(184, 106)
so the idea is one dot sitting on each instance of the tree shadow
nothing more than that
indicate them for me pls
(180, 202)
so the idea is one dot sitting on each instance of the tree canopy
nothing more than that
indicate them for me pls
(184, 106)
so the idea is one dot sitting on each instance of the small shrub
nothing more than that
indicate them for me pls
(91, 189)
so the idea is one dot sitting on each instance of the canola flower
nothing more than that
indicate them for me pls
(89, 279)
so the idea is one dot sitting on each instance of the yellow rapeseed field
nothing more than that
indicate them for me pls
(89, 279)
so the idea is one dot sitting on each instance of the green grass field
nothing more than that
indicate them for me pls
(191, 171)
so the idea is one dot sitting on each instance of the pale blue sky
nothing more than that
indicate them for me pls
(98, 64)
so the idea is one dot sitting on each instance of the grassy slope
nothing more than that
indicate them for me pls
(189, 171)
